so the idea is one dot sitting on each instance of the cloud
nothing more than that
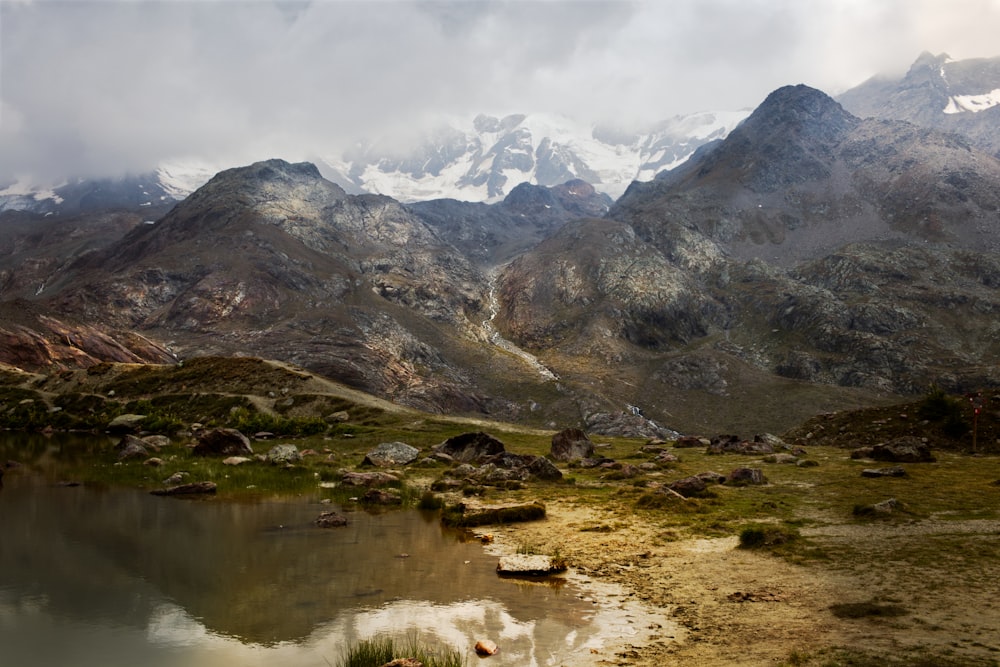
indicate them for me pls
(101, 87)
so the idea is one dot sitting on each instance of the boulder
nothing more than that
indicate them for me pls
(543, 469)
(688, 486)
(711, 477)
(746, 477)
(283, 455)
(571, 444)
(193, 488)
(470, 447)
(691, 441)
(389, 454)
(368, 479)
(731, 444)
(222, 442)
(131, 447)
(157, 442)
(769, 439)
(126, 424)
(908, 449)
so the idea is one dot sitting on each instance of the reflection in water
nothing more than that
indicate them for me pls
(90, 577)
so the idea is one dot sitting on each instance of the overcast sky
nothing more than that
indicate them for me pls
(91, 88)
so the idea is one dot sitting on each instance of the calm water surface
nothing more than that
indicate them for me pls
(120, 577)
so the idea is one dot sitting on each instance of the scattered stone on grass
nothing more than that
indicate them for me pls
(893, 471)
(390, 454)
(368, 479)
(222, 442)
(284, 455)
(688, 486)
(469, 447)
(236, 460)
(571, 444)
(745, 477)
(129, 423)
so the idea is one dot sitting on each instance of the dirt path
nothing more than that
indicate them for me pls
(739, 607)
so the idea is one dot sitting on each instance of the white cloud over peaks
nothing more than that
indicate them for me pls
(103, 87)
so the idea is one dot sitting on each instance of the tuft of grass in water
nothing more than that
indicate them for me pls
(378, 651)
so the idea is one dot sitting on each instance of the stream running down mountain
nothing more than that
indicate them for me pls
(496, 338)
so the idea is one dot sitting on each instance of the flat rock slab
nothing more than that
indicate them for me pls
(529, 565)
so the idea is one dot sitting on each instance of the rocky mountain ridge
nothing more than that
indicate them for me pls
(961, 96)
(811, 260)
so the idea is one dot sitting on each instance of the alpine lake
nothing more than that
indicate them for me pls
(97, 575)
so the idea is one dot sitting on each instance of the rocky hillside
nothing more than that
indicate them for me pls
(810, 245)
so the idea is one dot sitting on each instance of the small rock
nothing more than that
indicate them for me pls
(176, 478)
(486, 647)
(153, 462)
(157, 442)
(893, 471)
(235, 460)
(529, 565)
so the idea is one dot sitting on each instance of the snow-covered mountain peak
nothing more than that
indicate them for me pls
(485, 157)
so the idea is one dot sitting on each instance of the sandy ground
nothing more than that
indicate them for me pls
(710, 603)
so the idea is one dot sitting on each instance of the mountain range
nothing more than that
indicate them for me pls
(807, 260)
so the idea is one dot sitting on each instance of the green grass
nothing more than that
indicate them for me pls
(380, 650)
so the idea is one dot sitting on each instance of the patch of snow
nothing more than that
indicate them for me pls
(972, 103)
(182, 177)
